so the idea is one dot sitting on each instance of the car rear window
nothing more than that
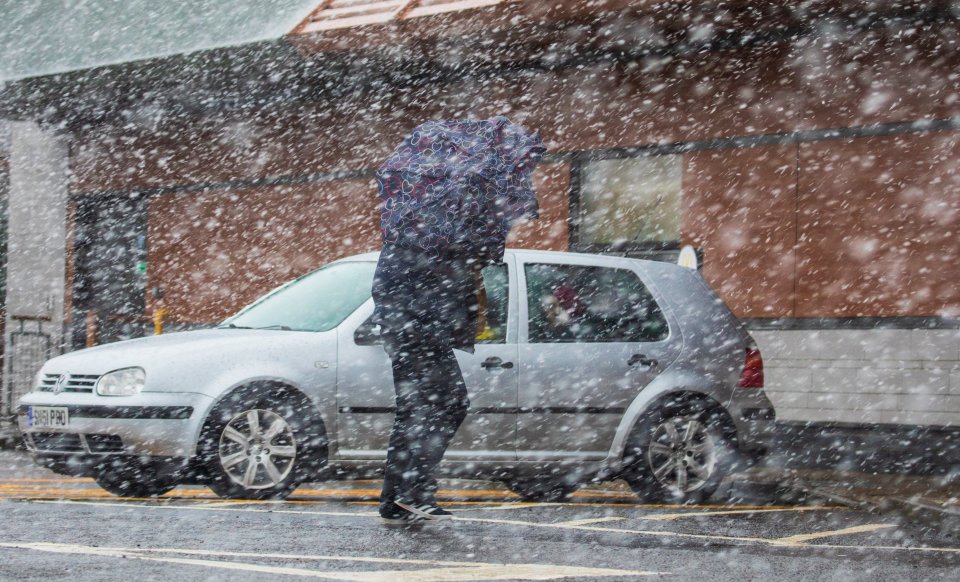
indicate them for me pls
(574, 303)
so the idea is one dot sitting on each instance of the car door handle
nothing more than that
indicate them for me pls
(642, 360)
(495, 362)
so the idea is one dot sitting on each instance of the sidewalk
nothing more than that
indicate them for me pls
(909, 471)
(929, 500)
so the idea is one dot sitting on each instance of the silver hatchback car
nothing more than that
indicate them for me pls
(587, 368)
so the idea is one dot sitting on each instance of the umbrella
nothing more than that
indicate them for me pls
(449, 194)
(456, 187)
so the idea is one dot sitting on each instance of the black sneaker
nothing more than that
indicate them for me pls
(394, 515)
(428, 511)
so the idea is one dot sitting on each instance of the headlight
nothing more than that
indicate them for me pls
(125, 382)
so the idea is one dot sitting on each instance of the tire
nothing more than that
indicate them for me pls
(135, 479)
(678, 455)
(66, 466)
(260, 447)
(542, 489)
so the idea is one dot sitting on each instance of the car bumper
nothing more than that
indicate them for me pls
(754, 418)
(163, 424)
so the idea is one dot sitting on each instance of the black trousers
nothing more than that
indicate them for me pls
(431, 405)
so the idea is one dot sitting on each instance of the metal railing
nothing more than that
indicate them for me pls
(27, 351)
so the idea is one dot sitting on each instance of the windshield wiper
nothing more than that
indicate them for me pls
(234, 326)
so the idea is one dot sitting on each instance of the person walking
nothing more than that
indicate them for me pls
(449, 196)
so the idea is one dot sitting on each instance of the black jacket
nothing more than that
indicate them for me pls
(426, 300)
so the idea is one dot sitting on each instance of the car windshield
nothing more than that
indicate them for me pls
(315, 302)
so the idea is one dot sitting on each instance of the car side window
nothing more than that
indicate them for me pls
(492, 304)
(580, 304)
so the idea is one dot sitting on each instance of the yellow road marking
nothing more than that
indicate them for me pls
(208, 508)
(562, 525)
(768, 541)
(674, 516)
(892, 548)
(789, 541)
(576, 522)
(65, 480)
(210, 499)
(14, 491)
(34, 495)
(445, 495)
(488, 507)
(229, 503)
(358, 514)
(799, 539)
(335, 493)
(449, 495)
(441, 572)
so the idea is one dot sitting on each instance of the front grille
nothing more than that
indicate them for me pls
(57, 442)
(84, 383)
(104, 443)
(62, 442)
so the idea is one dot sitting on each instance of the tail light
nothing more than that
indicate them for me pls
(752, 375)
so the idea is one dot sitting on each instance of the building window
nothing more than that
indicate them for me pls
(631, 201)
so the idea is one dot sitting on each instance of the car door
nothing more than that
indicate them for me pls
(365, 394)
(591, 337)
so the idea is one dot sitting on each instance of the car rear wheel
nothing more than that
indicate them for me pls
(135, 479)
(678, 456)
(258, 448)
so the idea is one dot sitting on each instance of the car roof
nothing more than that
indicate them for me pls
(548, 255)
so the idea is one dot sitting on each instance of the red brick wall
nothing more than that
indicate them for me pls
(878, 76)
(836, 228)
(740, 207)
(214, 252)
(878, 221)
(550, 232)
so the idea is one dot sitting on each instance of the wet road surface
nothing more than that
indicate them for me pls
(67, 528)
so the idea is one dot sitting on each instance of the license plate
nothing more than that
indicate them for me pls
(48, 417)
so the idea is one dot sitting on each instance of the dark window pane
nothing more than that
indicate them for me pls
(568, 303)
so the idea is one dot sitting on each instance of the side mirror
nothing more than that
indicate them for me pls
(368, 334)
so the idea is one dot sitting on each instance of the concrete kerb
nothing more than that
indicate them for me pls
(928, 501)
(940, 517)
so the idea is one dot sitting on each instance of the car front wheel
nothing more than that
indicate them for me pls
(678, 456)
(257, 449)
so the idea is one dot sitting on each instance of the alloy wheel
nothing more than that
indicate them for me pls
(257, 449)
(682, 454)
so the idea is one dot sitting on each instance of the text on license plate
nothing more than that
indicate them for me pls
(48, 416)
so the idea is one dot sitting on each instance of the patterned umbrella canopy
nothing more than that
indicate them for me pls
(459, 185)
